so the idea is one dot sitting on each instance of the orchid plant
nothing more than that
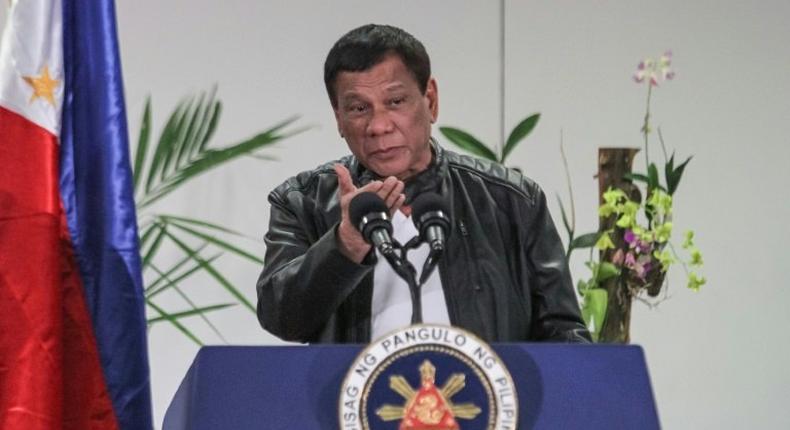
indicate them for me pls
(638, 249)
(643, 226)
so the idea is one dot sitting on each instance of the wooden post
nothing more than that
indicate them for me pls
(613, 164)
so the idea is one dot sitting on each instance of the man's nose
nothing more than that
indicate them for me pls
(380, 123)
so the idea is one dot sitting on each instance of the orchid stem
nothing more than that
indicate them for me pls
(646, 126)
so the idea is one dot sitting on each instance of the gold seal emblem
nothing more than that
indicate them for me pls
(428, 408)
(428, 377)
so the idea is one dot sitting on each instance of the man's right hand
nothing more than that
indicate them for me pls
(350, 240)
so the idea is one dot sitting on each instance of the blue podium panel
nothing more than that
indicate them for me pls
(297, 387)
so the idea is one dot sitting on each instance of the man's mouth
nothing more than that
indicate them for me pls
(386, 152)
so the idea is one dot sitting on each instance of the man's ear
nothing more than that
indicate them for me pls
(432, 95)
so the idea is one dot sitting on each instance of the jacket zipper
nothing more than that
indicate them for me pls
(452, 308)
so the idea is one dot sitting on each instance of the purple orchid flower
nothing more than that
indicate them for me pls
(629, 237)
(655, 71)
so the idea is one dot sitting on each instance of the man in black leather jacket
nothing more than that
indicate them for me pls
(504, 274)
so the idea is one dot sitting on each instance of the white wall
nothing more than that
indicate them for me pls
(717, 358)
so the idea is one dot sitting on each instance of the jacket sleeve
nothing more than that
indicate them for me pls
(303, 281)
(555, 310)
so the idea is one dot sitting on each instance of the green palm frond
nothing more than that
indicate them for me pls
(149, 252)
(183, 224)
(194, 309)
(182, 152)
(468, 142)
(191, 312)
(170, 278)
(174, 321)
(142, 142)
(473, 145)
(211, 270)
(521, 131)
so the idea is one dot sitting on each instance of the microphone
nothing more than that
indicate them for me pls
(369, 214)
(429, 213)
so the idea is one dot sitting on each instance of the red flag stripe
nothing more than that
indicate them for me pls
(50, 375)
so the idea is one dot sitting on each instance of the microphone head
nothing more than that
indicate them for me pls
(368, 212)
(430, 209)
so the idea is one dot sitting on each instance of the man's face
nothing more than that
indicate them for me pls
(385, 119)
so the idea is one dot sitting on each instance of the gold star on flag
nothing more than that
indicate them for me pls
(43, 86)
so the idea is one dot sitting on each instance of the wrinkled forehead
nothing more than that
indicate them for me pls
(388, 76)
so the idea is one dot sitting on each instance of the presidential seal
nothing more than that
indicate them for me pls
(428, 377)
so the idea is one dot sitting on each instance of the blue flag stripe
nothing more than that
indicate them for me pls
(97, 191)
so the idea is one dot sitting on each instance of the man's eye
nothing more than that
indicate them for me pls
(397, 101)
(356, 108)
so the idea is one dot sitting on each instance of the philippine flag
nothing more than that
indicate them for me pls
(73, 349)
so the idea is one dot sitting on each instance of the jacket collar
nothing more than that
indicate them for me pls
(429, 179)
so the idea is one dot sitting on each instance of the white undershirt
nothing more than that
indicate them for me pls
(391, 306)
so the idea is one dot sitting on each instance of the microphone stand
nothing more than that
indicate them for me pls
(403, 268)
(408, 273)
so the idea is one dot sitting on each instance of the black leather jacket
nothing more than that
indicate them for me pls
(504, 273)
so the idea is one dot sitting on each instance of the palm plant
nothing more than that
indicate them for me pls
(181, 154)
(471, 144)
